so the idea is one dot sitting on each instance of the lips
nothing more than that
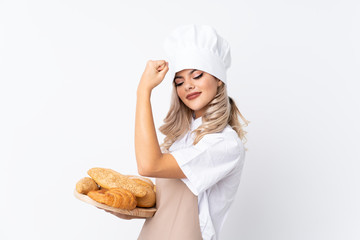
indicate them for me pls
(193, 95)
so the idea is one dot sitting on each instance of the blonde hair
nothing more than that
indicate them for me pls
(221, 111)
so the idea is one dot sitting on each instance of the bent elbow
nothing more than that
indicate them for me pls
(149, 168)
(141, 172)
(144, 171)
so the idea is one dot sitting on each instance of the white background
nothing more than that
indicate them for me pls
(68, 77)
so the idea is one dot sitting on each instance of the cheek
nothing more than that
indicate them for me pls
(215, 88)
(211, 89)
(180, 93)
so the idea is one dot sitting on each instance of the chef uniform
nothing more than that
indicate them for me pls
(196, 207)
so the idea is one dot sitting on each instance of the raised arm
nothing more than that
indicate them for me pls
(151, 162)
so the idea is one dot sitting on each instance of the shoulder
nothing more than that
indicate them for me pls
(226, 141)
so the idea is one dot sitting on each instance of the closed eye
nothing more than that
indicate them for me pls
(198, 76)
(179, 84)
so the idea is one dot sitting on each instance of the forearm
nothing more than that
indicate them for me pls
(147, 149)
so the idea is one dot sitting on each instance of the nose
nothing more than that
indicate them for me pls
(188, 85)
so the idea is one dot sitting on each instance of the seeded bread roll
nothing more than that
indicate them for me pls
(108, 178)
(147, 180)
(149, 199)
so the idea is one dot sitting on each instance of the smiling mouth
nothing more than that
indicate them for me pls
(193, 95)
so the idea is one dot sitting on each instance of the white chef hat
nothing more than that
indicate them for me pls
(200, 47)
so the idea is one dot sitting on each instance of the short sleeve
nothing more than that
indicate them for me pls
(209, 161)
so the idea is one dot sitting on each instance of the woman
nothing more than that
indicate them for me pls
(199, 164)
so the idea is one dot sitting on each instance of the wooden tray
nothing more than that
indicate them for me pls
(137, 212)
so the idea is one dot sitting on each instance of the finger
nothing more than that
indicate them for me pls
(164, 71)
(162, 66)
(159, 63)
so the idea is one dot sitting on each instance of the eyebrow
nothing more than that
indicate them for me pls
(188, 74)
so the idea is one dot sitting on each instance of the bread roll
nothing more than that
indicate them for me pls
(86, 185)
(149, 199)
(147, 180)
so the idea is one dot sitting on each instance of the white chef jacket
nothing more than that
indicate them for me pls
(213, 169)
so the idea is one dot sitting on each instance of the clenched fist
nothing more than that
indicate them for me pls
(154, 74)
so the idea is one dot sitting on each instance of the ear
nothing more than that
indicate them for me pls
(219, 82)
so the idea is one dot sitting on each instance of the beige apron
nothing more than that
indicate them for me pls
(177, 215)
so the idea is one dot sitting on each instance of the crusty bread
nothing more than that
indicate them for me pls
(86, 185)
(147, 180)
(149, 199)
(114, 197)
(108, 178)
(111, 183)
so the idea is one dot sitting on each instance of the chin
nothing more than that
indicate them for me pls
(195, 108)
